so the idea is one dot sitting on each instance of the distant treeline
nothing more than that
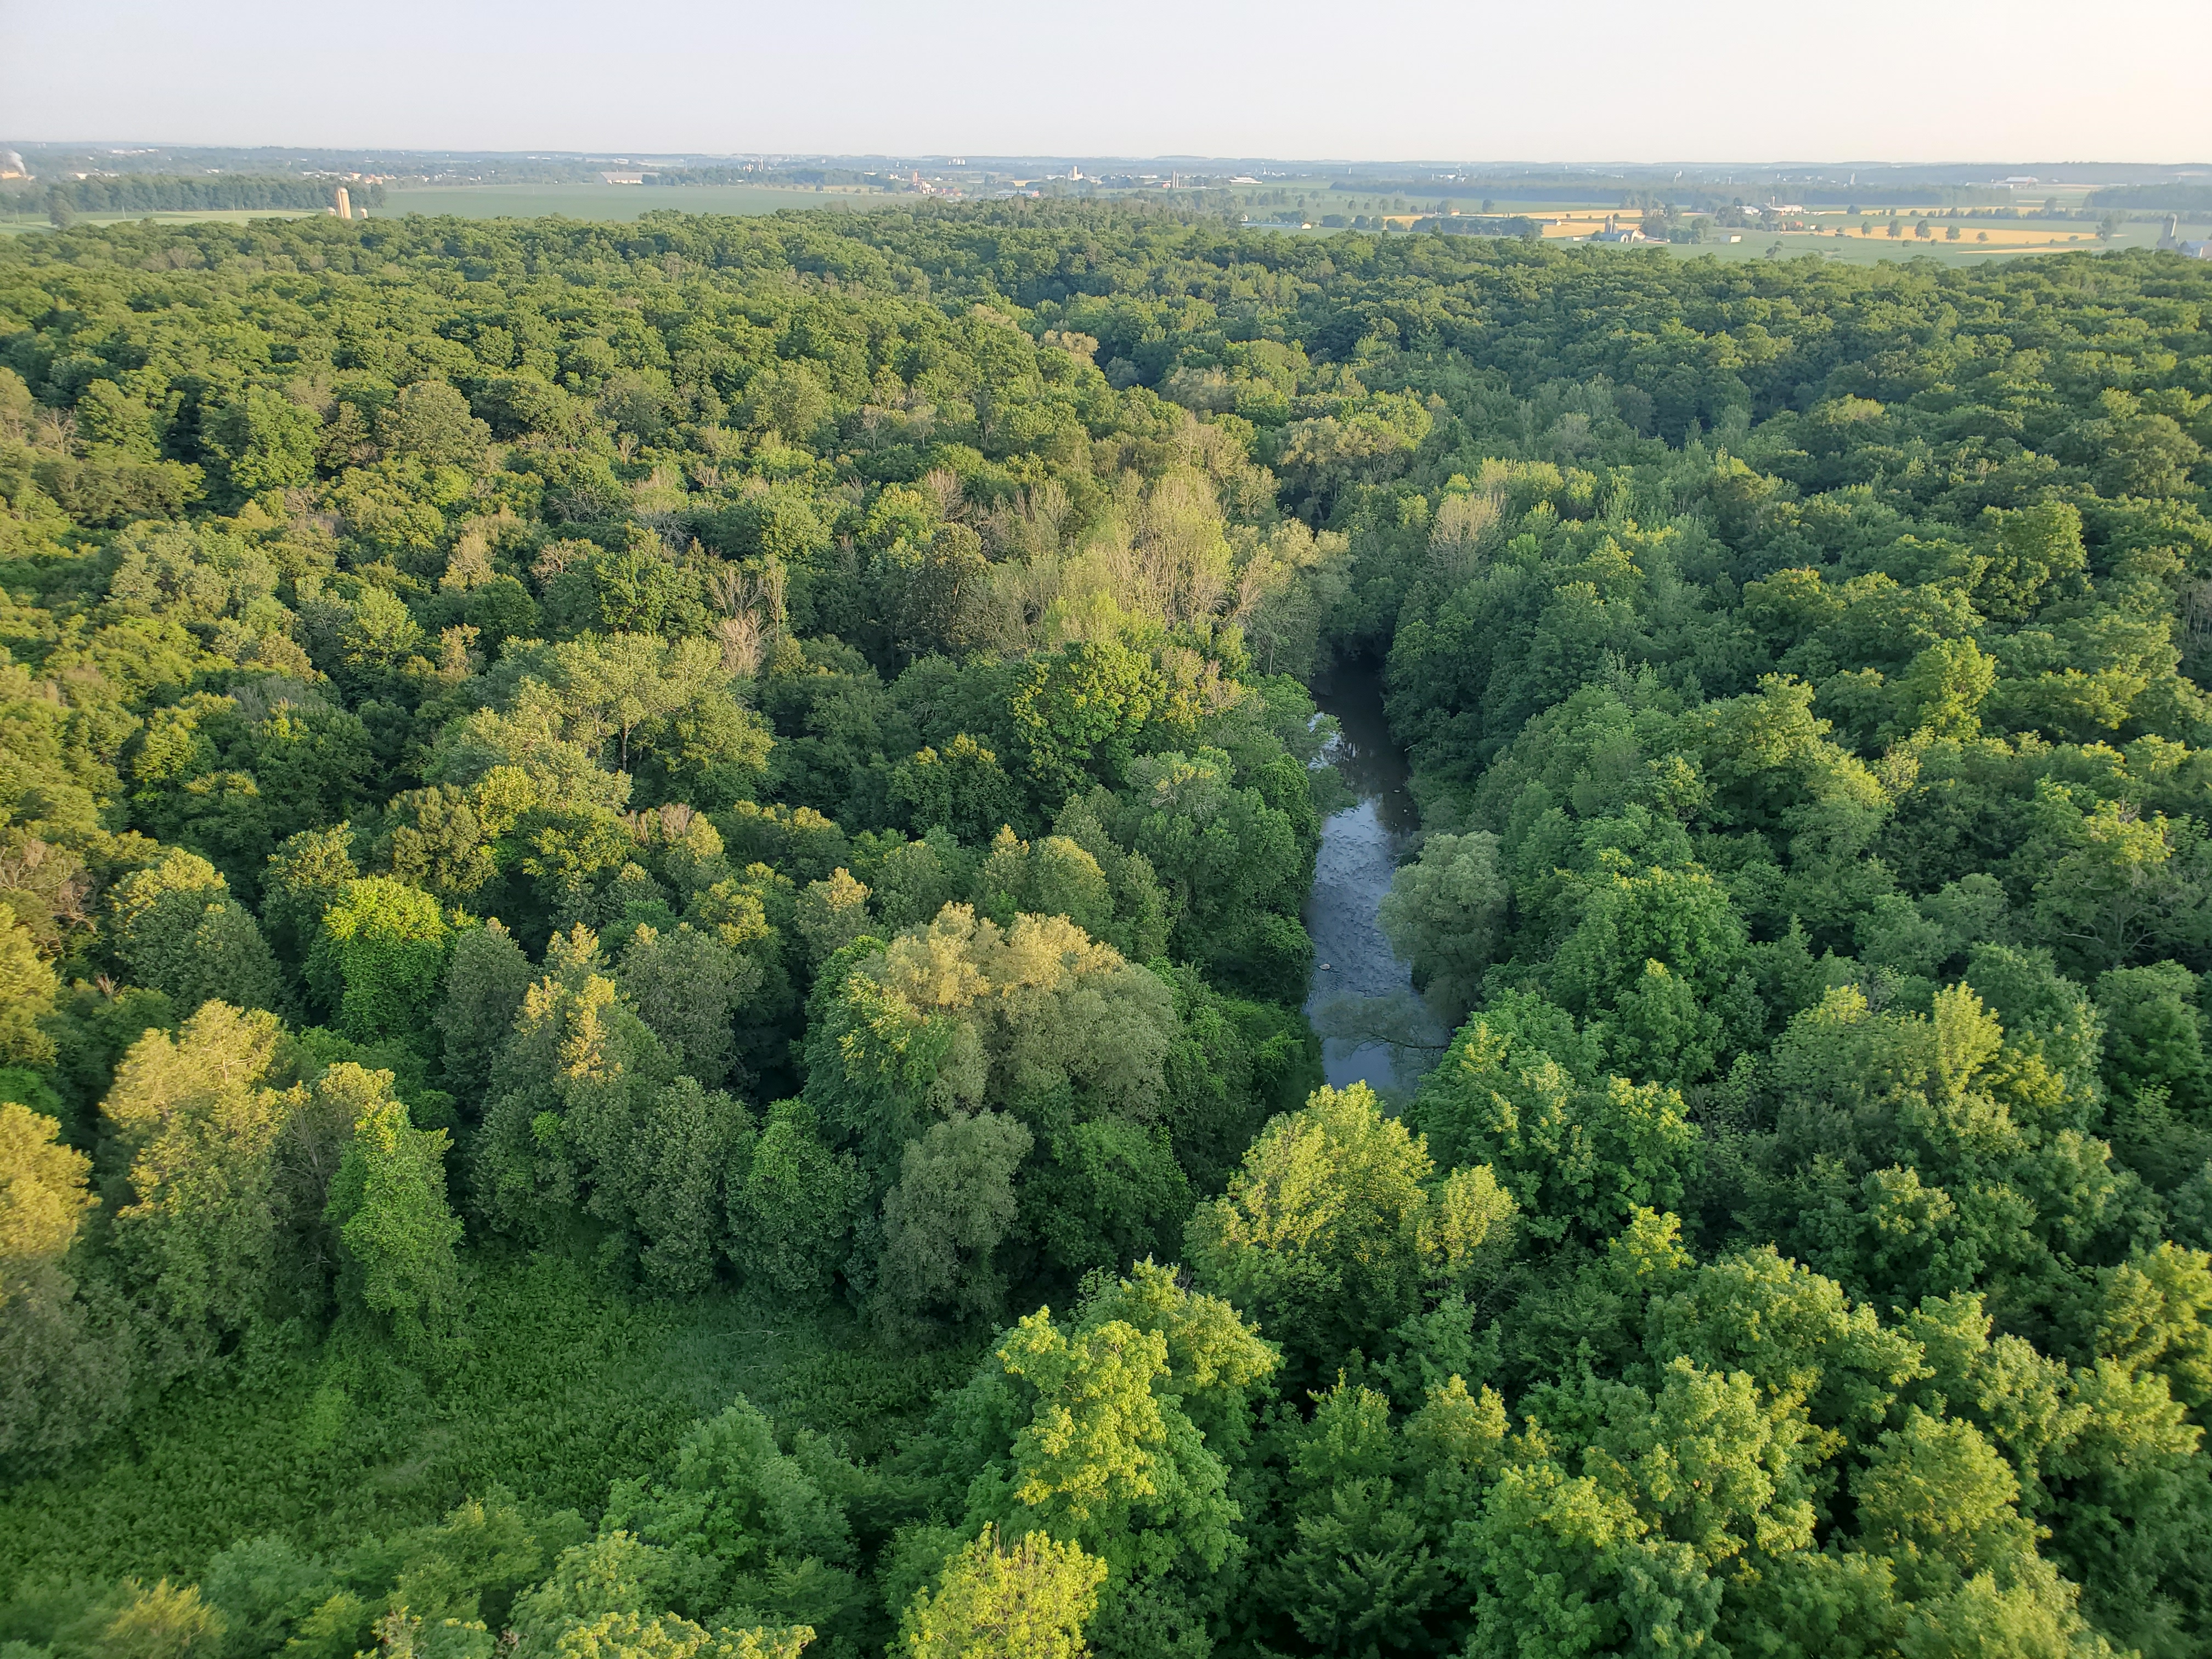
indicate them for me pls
(1947, 195)
(1526, 229)
(2170, 198)
(1570, 191)
(1702, 194)
(154, 193)
(1566, 188)
(741, 175)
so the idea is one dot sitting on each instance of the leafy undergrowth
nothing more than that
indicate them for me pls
(567, 1384)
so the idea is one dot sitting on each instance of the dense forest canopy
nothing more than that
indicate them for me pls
(574, 794)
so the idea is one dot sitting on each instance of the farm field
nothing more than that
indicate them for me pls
(15, 224)
(1569, 221)
(609, 201)
(1578, 221)
(592, 202)
(1981, 239)
(2007, 240)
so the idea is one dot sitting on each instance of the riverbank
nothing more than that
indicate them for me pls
(1361, 987)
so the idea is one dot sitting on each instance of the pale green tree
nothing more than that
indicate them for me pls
(952, 1207)
(1648, 963)
(486, 979)
(62, 1378)
(791, 1209)
(963, 1014)
(431, 422)
(43, 1197)
(1335, 1228)
(1052, 877)
(306, 876)
(265, 442)
(2033, 555)
(181, 934)
(689, 986)
(618, 703)
(198, 1234)
(387, 1202)
(1082, 1432)
(752, 1523)
(378, 962)
(2156, 1316)
(2113, 884)
(1943, 689)
(137, 1621)
(1029, 1600)
(1580, 1154)
(693, 1138)
(1079, 713)
(830, 914)
(1445, 915)
(26, 990)
(603, 1601)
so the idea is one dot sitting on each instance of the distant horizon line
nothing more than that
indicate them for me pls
(972, 158)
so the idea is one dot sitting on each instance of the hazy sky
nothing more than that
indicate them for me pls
(1558, 80)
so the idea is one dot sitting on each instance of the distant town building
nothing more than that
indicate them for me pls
(622, 177)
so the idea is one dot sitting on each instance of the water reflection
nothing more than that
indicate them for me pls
(1359, 851)
(1366, 756)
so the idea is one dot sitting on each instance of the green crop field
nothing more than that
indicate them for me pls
(600, 202)
(1857, 250)
(15, 224)
(2008, 238)
(609, 201)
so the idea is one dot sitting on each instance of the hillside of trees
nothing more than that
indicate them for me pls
(650, 945)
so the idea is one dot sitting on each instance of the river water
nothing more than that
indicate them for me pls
(1359, 850)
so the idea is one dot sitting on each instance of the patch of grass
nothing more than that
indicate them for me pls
(568, 1384)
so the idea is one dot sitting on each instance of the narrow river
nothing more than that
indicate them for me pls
(1359, 849)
